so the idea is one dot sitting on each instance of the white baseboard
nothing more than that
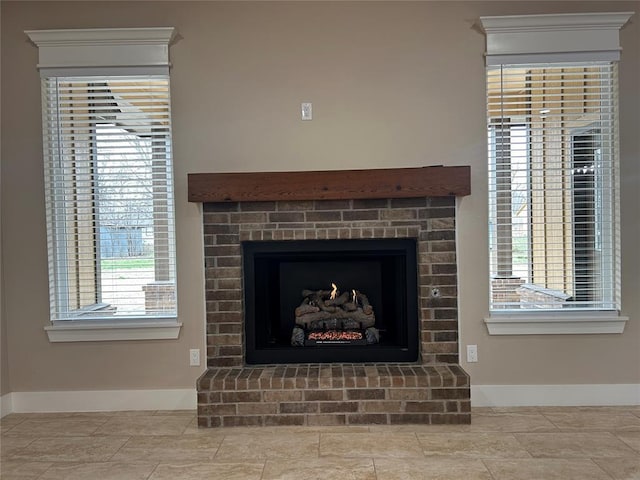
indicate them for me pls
(6, 404)
(186, 399)
(102, 400)
(554, 395)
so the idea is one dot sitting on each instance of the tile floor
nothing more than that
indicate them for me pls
(582, 443)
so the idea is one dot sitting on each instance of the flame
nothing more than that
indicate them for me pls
(334, 292)
(354, 297)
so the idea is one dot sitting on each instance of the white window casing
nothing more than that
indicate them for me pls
(553, 173)
(553, 38)
(104, 51)
(108, 183)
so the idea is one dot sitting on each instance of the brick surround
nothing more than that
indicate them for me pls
(433, 390)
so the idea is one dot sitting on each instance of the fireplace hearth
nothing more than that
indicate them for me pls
(335, 311)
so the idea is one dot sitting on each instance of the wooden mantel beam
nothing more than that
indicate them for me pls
(436, 181)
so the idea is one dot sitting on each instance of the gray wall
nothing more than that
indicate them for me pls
(393, 84)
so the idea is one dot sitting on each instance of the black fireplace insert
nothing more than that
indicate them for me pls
(309, 301)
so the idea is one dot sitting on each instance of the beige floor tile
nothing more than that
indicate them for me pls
(252, 447)
(604, 420)
(547, 469)
(371, 445)
(472, 445)
(193, 425)
(475, 410)
(11, 420)
(57, 426)
(626, 468)
(179, 448)
(188, 413)
(115, 413)
(145, 425)
(31, 416)
(193, 429)
(5, 428)
(515, 410)
(430, 469)
(325, 468)
(630, 438)
(27, 470)
(322, 429)
(594, 409)
(10, 444)
(511, 422)
(574, 445)
(100, 470)
(208, 471)
(70, 449)
(414, 428)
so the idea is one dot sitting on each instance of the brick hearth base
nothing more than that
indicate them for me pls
(338, 394)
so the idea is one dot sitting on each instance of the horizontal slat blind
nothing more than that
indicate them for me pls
(552, 131)
(107, 146)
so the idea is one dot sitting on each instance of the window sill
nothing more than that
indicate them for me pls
(555, 323)
(101, 331)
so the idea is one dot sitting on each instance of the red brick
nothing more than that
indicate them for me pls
(366, 394)
(257, 408)
(323, 395)
(425, 407)
(242, 421)
(236, 397)
(299, 407)
(380, 406)
(282, 395)
(338, 407)
(367, 419)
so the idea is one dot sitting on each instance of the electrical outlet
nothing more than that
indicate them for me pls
(194, 357)
(472, 353)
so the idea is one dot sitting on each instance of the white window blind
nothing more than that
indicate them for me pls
(552, 135)
(109, 195)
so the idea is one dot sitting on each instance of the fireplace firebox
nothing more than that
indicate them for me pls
(309, 301)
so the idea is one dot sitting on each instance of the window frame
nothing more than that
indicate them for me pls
(563, 38)
(102, 53)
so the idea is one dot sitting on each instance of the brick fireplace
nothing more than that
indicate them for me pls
(416, 204)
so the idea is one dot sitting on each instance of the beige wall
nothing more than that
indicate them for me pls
(393, 84)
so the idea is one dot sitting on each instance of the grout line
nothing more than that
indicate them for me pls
(483, 461)
(602, 469)
(119, 448)
(264, 467)
(153, 470)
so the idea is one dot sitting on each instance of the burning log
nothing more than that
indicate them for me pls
(350, 307)
(306, 308)
(366, 306)
(328, 316)
(318, 299)
(341, 300)
(358, 316)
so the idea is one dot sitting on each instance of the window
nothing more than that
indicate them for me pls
(552, 163)
(108, 185)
